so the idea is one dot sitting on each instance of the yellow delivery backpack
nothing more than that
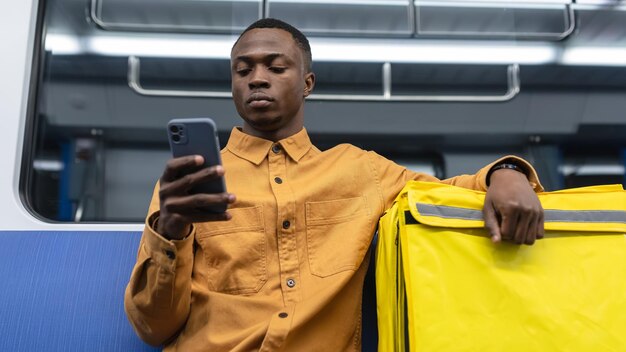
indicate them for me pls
(442, 285)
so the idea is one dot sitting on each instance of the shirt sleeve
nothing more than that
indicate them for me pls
(158, 295)
(392, 177)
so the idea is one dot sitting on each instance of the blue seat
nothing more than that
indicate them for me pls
(64, 291)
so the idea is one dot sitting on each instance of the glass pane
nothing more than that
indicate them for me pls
(176, 15)
(474, 19)
(393, 17)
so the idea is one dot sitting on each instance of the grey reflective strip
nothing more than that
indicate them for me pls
(444, 211)
(448, 212)
(585, 216)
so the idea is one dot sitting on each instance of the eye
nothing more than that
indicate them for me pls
(242, 71)
(277, 69)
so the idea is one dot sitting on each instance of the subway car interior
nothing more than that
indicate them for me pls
(442, 87)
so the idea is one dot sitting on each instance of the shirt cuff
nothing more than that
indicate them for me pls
(168, 254)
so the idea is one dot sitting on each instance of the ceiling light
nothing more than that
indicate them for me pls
(217, 47)
(594, 56)
(61, 44)
(346, 50)
(411, 51)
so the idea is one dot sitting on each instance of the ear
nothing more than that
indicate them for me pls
(309, 83)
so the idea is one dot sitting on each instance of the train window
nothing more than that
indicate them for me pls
(440, 86)
(106, 71)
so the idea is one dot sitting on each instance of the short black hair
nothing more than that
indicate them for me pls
(298, 37)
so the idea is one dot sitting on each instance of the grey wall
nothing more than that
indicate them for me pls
(69, 104)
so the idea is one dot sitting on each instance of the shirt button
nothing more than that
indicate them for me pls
(278, 180)
(170, 254)
(276, 148)
(286, 224)
(283, 315)
(291, 283)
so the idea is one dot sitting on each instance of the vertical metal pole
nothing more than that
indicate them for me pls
(387, 81)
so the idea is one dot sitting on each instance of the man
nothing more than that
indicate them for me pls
(283, 269)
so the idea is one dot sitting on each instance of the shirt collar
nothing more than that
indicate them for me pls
(255, 149)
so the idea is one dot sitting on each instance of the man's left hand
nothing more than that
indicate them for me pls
(512, 210)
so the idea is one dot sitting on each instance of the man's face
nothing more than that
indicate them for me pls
(269, 81)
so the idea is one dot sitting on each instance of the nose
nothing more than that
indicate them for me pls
(258, 79)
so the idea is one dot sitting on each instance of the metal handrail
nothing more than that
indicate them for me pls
(513, 84)
(413, 13)
(96, 10)
(569, 15)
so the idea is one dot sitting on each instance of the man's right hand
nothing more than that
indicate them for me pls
(179, 209)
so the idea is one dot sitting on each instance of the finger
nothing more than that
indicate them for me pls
(185, 183)
(535, 226)
(207, 174)
(491, 223)
(524, 219)
(176, 166)
(507, 226)
(193, 204)
(540, 225)
(531, 232)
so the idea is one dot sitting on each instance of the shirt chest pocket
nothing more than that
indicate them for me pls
(235, 251)
(338, 234)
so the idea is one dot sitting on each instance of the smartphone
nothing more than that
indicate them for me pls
(198, 136)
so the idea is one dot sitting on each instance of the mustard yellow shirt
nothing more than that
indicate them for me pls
(286, 272)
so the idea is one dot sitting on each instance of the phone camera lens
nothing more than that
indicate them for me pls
(176, 138)
(174, 129)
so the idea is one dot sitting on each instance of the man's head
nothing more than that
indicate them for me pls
(270, 70)
(298, 37)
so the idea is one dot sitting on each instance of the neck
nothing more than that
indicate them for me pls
(272, 135)
(275, 134)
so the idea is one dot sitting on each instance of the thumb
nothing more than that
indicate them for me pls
(491, 223)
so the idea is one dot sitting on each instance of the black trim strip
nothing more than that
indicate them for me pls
(34, 97)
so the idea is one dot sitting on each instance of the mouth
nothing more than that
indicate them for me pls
(259, 100)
